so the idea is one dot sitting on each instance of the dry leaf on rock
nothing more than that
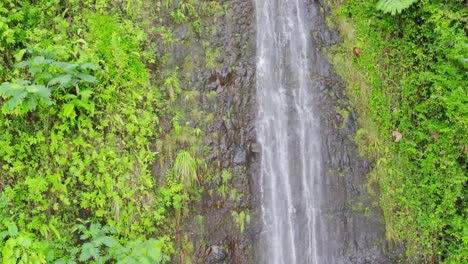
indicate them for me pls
(398, 136)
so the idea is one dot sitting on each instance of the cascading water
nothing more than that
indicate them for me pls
(288, 130)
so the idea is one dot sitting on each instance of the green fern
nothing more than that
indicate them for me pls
(98, 241)
(394, 6)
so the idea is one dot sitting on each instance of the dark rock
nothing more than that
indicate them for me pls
(216, 254)
(255, 148)
(180, 32)
(240, 157)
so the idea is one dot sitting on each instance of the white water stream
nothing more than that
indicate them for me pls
(288, 132)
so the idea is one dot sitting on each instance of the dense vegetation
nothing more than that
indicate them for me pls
(89, 110)
(407, 78)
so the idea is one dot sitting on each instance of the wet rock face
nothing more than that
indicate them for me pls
(358, 224)
(216, 254)
(224, 228)
(218, 228)
(234, 83)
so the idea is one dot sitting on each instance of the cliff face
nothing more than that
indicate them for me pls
(226, 234)
(222, 227)
(217, 229)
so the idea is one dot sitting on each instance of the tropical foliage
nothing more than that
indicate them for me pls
(394, 6)
(89, 107)
(409, 87)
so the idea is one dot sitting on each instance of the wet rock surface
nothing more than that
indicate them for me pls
(214, 230)
(216, 254)
(359, 228)
(217, 229)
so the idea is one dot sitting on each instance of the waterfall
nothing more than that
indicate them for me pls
(288, 130)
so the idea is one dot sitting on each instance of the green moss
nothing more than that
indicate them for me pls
(344, 116)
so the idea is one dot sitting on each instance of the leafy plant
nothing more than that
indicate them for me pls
(62, 75)
(21, 247)
(142, 252)
(47, 74)
(24, 95)
(241, 219)
(394, 6)
(73, 75)
(97, 242)
(80, 103)
(185, 168)
(226, 176)
(54, 171)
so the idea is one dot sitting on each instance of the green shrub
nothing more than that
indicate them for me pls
(24, 96)
(80, 115)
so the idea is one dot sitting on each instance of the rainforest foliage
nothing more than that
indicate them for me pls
(96, 163)
(407, 78)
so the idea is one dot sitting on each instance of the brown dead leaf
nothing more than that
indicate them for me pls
(435, 135)
(357, 52)
(398, 136)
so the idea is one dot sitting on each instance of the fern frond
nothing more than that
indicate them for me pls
(394, 6)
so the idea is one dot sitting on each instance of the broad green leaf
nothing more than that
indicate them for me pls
(4, 88)
(16, 99)
(24, 241)
(88, 251)
(23, 82)
(394, 6)
(95, 229)
(35, 69)
(22, 64)
(60, 64)
(12, 230)
(63, 80)
(3, 235)
(90, 66)
(40, 60)
(87, 78)
(106, 240)
(70, 68)
(31, 103)
(41, 92)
